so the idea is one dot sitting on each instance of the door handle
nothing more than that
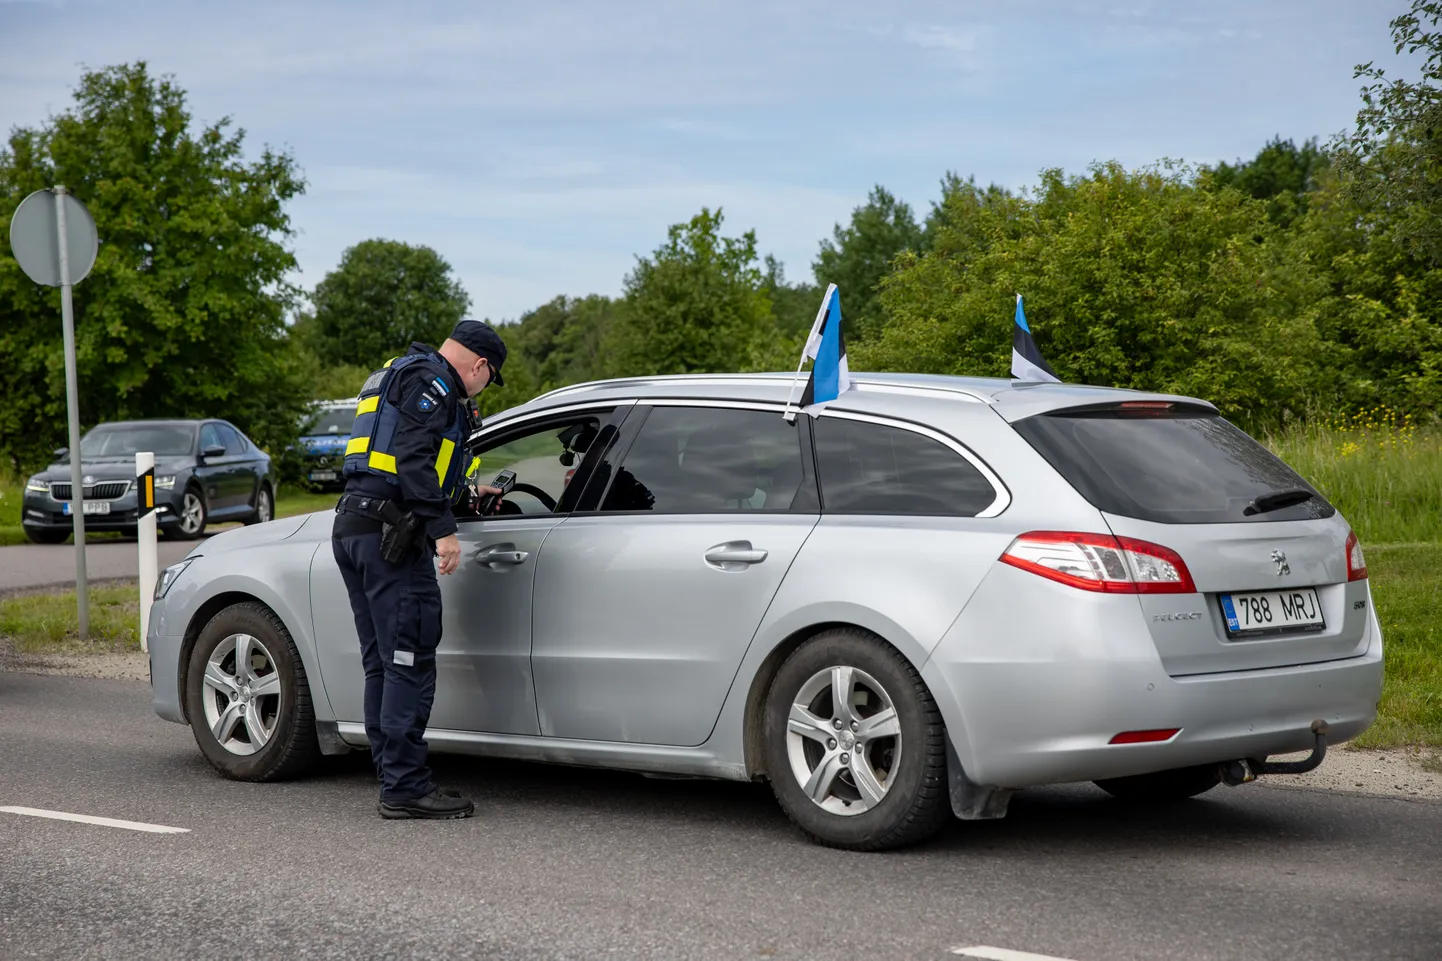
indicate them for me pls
(503, 554)
(734, 556)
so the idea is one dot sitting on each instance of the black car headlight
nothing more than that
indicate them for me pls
(37, 486)
(170, 575)
(165, 482)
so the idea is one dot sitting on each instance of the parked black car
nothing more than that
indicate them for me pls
(205, 470)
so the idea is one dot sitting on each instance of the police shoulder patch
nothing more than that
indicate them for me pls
(440, 386)
(426, 402)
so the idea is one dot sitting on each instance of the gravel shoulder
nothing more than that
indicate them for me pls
(1396, 772)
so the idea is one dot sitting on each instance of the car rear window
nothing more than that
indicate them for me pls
(1172, 466)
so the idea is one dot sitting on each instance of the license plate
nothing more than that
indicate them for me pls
(322, 475)
(1272, 612)
(91, 507)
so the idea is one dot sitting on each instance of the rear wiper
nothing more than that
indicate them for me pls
(1276, 500)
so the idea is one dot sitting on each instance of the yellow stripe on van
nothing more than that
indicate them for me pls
(443, 460)
(382, 462)
(368, 405)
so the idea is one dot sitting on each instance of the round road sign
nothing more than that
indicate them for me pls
(34, 238)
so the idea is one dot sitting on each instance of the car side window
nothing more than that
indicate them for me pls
(867, 468)
(232, 439)
(705, 460)
(210, 437)
(544, 459)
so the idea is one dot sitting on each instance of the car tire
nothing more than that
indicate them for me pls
(192, 498)
(1162, 787)
(267, 736)
(264, 506)
(905, 757)
(45, 535)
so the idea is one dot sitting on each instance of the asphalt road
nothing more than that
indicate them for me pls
(25, 566)
(563, 863)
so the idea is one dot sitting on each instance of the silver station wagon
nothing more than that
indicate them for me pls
(935, 593)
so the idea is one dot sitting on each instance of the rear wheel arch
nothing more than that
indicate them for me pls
(754, 718)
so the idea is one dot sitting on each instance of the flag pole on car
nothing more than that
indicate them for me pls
(826, 345)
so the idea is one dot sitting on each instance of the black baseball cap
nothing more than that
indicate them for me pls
(481, 338)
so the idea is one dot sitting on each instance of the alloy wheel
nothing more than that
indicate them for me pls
(843, 740)
(263, 510)
(192, 513)
(241, 691)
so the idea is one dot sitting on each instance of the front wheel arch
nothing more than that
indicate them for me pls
(203, 616)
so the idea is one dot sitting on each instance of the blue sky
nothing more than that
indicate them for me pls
(540, 146)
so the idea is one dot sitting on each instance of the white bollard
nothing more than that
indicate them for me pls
(145, 538)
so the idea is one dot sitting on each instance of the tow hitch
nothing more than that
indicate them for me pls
(1246, 770)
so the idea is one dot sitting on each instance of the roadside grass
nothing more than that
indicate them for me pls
(290, 501)
(1408, 595)
(48, 623)
(1380, 471)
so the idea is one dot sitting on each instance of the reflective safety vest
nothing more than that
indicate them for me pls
(371, 449)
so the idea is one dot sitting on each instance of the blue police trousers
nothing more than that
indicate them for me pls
(398, 620)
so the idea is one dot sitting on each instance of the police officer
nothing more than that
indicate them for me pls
(407, 455)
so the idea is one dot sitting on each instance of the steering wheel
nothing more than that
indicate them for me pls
(546, 500)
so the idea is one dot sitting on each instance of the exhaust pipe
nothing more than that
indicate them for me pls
(1245, 770)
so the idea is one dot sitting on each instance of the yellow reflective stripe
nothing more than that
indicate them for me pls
(382, 462)
(443, 461)
(391, 361)
(368, 405)
(357, 445)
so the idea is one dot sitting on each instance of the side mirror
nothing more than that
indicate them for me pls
(61, 453)
(215, 451)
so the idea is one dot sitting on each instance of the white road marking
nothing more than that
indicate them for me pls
(1003, 954)
(91, 819)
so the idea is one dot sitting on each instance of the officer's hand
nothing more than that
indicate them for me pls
(448, 549)
(484, 489)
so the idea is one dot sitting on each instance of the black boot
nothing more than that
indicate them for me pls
(436, 806)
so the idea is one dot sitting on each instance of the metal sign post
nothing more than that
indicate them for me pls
(145, 536)
(72, 404)
(53, 238)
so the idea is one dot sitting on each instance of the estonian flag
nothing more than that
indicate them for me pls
(1026, 360)
(827, 347)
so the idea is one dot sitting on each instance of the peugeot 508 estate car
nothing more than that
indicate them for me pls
(206, 471)
(934, 592)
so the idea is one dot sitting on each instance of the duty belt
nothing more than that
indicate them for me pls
(367, 505)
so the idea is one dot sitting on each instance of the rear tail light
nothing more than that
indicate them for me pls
(1101, 562)
(1356, 563)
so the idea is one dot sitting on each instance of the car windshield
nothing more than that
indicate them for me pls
(335, 421)
(159, 439)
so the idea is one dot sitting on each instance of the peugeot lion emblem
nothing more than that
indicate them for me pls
(1280, 559)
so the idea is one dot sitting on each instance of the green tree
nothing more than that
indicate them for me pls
(562, 342)
(183, 314)
(859, 255)
(1132, 279)
(1282, 174)
(697, 304)
(1380, 311)
(793, 305)
(1393, 157)
(384, 295)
